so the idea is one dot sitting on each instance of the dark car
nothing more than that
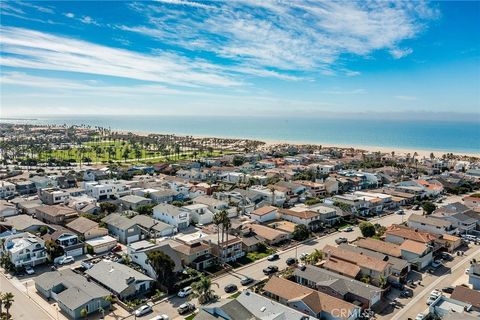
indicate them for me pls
(246, 280)
(186, 308)
(291, 261)
(270, 269)
(398, 285)
(406, 293)
(273, 257)
(230, 288)
(447, 256)
(448, 289)
(341, 240)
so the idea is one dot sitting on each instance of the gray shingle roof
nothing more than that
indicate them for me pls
(78, 289)
(118, 221)
(114, 275)
(168, 209)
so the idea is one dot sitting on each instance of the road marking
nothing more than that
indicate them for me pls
(432, 285)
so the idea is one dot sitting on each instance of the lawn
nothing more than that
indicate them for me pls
(118, 151)
(235, 295)
(253, 256)
(190, 317)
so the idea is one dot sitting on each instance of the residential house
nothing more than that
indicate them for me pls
(275, 197)
(449, 309)
(315, 189)
(213, 204)
(24, 249)
(154, 228)
(264, 214)
(363, 265)
(122, 228)
(472, 201)
(51, 196)
(225, 250)
(23, 222)
(467, 295)
(172, 215)
(138, 253)
(105, 189)
(341, 287)
(25, 187)
(399, 268)
(474, 275)
(311, 219)
(431, 224)
(462, 217)
(163, 196)
(86, 228)
(72, 292)
(7, 209)
(123, 281)
(44, 182)
(7, 190)
(311, 302)
(271, 236)
(418, 254)
(57, 214)
(356, 204)
(386, 248)
(101, 244)
(196, 254)
(199, 213)
(132, 202)
(249, 305)
(329, 214)
(29, 206)
(68, 240)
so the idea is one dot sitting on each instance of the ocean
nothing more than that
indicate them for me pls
(450, 136)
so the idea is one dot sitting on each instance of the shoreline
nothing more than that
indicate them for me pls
(271, 142)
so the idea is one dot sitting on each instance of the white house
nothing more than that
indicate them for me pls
(431, 224)
(199, 213)
(24, 249)
(279, 197)
(105, 189)
(7, 209)
(212, 203)
(172, 215)
(264, 214)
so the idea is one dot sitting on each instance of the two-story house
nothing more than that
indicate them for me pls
(57, 214)
(122, 228)
(431, 224)
(24, 249)
(172, 215)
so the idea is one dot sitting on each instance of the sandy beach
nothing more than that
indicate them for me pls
(398, 151)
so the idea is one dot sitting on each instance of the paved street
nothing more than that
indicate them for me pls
(23, 307)
(254, 270)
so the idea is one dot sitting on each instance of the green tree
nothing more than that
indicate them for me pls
(83, 313)
(108, 207)
(202, 289)
(367, 229)
(428, 207)
(300, 232)
(43, 230)
(110, 299)
(146, 209)
(7, 300)
(54, 249)
(163, 266)
(314, 257)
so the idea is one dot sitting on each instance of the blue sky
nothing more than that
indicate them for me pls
(240, 58)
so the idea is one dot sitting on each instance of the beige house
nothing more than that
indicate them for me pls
(87, 228)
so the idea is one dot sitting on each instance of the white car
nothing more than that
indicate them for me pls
(430, 300)
(161, 317)
(420, 316)
(467, 271)
(347, 229)
(66, 260)
(143, 310)
(435, 293)
(184, 292)
(29, 270)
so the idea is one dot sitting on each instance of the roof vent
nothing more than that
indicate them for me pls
(262, 309)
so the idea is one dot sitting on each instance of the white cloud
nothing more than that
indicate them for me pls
(186, 3)
(88, 20)
(70, 15)
(398, 53)
(301, 36)
(406, 98)
(344, 92)
(24, 48)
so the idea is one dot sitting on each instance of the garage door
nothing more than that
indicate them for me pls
(75, 252)
(133, 238)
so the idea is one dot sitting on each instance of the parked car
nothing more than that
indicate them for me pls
(406, 293)
(143, 310)
(230, 288)
(303, 255)
(400, 212)
(341, 240)
(86, 264)
(246, 280)
(398, 285)
(66, 260)
(347, 229)
(270, 270)
(301, 266)
(448, 289)
(184, 292)
(186, 308)
(436, 263)
(273, 257)
(447, 256)
(420, 316)
(29, 270)
(431, 299)
(291, 261)
(417, 207)
(117, 248)
(467, 271)
(160, 317)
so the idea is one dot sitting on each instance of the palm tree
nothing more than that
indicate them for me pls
(382, 281)
(315, 257)
(7, 302)
(110, 299)
(83, 313)
(272, 189)
(217, 220)
(202, 289)
(1, 303)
